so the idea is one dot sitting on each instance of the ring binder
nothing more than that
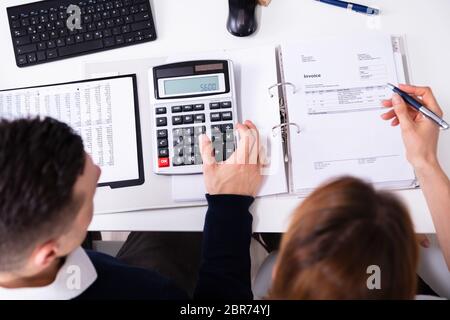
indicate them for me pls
(282, 125)
(294, 88)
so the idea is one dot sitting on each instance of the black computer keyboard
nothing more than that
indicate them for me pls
(40, 33)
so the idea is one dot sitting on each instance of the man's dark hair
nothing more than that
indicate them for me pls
(40, 161)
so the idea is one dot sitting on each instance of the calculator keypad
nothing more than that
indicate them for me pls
(178, 128)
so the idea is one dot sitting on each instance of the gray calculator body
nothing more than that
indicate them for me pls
(191, 98)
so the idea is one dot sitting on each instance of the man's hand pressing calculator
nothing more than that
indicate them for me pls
(192, 98)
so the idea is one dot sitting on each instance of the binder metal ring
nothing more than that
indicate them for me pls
(294, 88)
(283, 125)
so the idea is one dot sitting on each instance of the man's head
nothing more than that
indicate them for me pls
(47, 185)
(338, 237)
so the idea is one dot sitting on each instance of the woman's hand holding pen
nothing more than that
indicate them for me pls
(420, 135)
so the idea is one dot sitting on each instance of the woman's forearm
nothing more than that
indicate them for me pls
(436, 188)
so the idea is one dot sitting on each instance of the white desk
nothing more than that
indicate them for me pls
(199, 25)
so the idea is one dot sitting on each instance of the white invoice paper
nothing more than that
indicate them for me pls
(102, 112)
(340, 83)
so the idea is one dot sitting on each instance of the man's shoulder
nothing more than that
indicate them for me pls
(116, 280)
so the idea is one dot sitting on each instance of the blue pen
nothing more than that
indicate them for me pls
(420, 107)
(352, 6)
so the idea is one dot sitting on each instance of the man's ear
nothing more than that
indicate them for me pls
(45, 254)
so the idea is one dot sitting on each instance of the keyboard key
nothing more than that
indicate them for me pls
(129, 39)
(83, 47)
(25, 22)
(26, 49)
(126, 29)
(98, 35)
(176, 109)
(53, 34)
(20, 33)
(163, 153)
(214, 105)
(60, 43)
(108, 42)
(199, 118)
(161, 122)
(176, 120)
(141, 25)
(22, 41)
(188, 119)
(225, 104)
(163, 162)
(15, 24)
(227, 116)
(162, 133)
(129, 19)
(141, 16)
(162, 142)
(51, 54)
(31, 57)
(188, 108)
(215, 116)
(120, 40)
(22, 60)
(70, 40)
(199, 107)
(41, 56)
(161, 110)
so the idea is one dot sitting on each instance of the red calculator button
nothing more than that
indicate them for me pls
(163, 162)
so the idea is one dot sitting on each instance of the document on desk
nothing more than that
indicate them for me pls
(340, 84)
(103, 112)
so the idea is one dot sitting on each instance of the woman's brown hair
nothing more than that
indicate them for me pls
(336, 234)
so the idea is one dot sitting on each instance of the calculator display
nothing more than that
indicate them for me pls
(193, 85)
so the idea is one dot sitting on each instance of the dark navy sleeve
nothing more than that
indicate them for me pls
(116, 280)
(225, 267)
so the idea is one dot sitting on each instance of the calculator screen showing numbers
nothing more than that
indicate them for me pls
(192, 98)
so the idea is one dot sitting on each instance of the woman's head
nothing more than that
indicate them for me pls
(336, 234)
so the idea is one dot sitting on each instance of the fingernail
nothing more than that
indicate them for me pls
(396, 99)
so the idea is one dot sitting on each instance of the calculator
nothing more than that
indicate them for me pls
(192, 98)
